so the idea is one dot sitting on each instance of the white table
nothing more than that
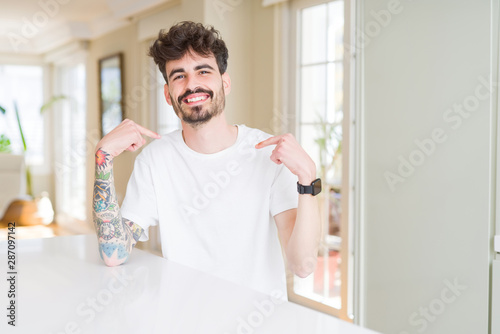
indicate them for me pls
(64, 287)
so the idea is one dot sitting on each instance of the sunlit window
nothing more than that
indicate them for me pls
(166, 119)
(23, 85)
(320, 113)
(71, 143)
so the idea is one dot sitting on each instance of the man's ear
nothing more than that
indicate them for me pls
(226, 83)
(167, 94)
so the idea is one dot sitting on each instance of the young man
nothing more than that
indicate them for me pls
(224, 196)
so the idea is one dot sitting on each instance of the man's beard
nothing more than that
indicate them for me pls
(200, 114)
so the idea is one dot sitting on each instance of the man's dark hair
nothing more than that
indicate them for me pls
(185, 37)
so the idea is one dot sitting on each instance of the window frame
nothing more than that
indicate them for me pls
(348, 286)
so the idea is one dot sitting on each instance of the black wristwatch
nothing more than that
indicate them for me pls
(313, 189)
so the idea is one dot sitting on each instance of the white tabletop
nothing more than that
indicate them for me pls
(64, 287)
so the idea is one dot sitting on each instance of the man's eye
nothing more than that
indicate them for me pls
(179, 77)
(203, 72)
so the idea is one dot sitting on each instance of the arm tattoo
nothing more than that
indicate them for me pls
(117, 236)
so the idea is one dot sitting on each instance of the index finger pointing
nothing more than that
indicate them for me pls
(269, 141)
(147, 132)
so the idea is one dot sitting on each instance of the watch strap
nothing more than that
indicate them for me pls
(313, 189)
(304, 189)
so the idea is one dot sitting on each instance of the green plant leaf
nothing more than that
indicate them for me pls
(5, 144)
(2, 110)
(50, 103)
(20, 127)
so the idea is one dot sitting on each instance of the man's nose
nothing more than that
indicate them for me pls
(192, 83)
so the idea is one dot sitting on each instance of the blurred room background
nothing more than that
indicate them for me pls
(396, 102)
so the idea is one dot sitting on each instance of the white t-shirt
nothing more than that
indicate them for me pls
(215, 211)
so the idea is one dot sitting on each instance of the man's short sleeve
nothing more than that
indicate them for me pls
(284, 194)
(139, 205)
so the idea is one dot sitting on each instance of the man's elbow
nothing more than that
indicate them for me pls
(111, 262)
(303, 273)
(116, 258)
(305, 267)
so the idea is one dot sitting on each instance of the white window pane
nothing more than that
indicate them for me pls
(335, 30)
(23, 85)
(111, 94)
(328, 138)
(333, 155)
(71, 142)
(313, 94)
(309, 136)
(335, 93)
(167, 120)
(314, 34)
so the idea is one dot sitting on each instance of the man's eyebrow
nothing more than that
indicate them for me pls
(177, 70)
(199, 67)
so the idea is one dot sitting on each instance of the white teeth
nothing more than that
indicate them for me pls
(196, 99)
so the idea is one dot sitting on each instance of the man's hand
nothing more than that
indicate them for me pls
(289, 152)
(128, 136)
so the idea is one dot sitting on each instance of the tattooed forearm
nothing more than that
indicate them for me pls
(117, 236)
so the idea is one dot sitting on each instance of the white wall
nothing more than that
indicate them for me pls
(433, 227)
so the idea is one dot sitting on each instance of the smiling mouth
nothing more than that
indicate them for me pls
(195, 99)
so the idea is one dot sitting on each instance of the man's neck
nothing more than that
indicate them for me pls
(212, 137)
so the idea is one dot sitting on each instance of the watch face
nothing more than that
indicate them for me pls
(317, 186)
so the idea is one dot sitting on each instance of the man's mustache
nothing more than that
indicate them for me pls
(198, 90)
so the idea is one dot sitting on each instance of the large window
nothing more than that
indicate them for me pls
(70, 142)
(319, 76)
(23, 85)
(164, 118)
